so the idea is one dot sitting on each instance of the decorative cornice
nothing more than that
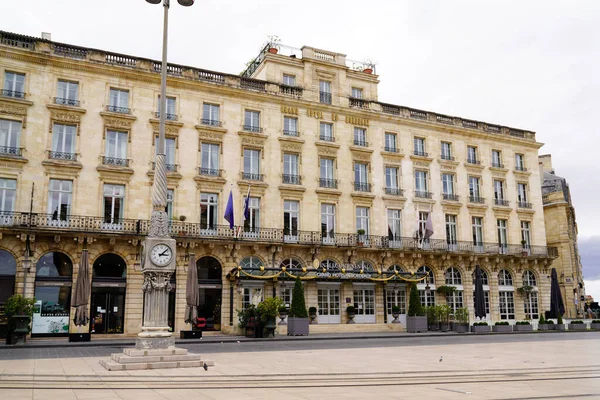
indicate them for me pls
(361, 149)
(292, 191)
(118, 121)
(257, 189)
(291, 146)
(360, 156)
(171, 127)
(210, 179)
(210, 128)
(322, 143)
(210, 136)
(59, 168)
(114, 174)
(325, 195)
(290, 139)
(327, 151)
(421, 158)
(15, 109)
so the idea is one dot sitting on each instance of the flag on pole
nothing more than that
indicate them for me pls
(428, 227)
(229, 209)
(247, 205)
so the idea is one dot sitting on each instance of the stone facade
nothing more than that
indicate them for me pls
(350, 105)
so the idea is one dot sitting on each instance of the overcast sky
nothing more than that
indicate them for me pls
(528, 64)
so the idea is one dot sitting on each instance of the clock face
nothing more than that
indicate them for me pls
(161, 255)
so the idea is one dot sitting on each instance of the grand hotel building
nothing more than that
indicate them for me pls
(322, 158)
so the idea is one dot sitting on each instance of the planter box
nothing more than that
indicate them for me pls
(578, 327)
(560, 327)
(190, 334)
(523, 328)
(542, 327)
(433, 327)
(416, 324)
(480, 329)
(444, 326)
(297, 326)
(80, 337)
(595, 326)
(502, 328)
(461, 328)
(551, 326)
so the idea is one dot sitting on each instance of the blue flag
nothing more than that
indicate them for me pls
(229, 210)
(247, 205)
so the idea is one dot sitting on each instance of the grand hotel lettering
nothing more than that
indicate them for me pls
(318, 114)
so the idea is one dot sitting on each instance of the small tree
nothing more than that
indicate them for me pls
(298, 308)
(414, 304)
(18, 305)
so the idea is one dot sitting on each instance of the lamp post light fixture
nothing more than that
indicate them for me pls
(159, 249)
(26, 264)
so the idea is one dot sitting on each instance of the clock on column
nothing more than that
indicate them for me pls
(161, 255)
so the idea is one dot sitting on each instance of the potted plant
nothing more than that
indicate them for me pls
(502, 327)
(283, 312)
(525, 292)
(395, 314)
(267, 312)
(523, 326)
(550, 323)
(272, 44)
(577, 325)
(595, 324)
(249, 321)
(416, 321)
(312, 314)
(432, 321)
(361, 237)
(446, 289)
(443, 313)
(368, 66)
(542, 324)
(560, 326)
(480, 327)
(525, 251)
(462, 320)
(351, 314)
(297, 316)
(19, 311)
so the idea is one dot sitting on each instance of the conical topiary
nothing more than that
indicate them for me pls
(298, 308)
(414, 304)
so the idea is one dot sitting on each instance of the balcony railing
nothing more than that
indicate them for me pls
(66, 102)
(362, 143)
(12, 93)
(252, 128)
(325, 97)
(291, 179)
(327, 138)
(293, 91)
(520, 168)
(59, 155)
(11, 151)
(476, 200)
(252, 177)
(394, 191)
(423, 195)
(169, 117)
(420, 153)
(393, 149)
(502, 202)
(450, 196)
(497, 165)
(473, 161)
(524, 204)
(169, 167)
(359, 103)
(120, 162)
(209, 171)
(211, 122)
(447, 157)
(328, 183)
(288, 132)
(362, 187)
(119, 110)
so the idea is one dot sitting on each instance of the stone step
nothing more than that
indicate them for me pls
(154, 352)
(115, 366)
(126, 359)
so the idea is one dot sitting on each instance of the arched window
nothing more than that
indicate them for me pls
(208, 268)
(291, 263)
(8, 264)
(504, 278)
(484, 278)
(251, 262)
(395, 268)
(329, 265)
(486, 290)
(53, 265)
(426, 270)
(529, 279)
(363, 265)
(453, 276)
(109, 266)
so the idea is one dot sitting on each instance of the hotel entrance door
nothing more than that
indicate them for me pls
(108, 310)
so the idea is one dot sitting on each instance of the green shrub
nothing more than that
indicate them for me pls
(414, 304)
(480, 324)
(462, 315)
(298, 308)
(395, 310)
(312, 310)
(502, 323)
(443, 312)
(18, 305)
(522, 323)
(542, 320)
(596, 321)
(445, 289)
(577, 322)
(560, 320)
(350, 310)
(267, 309)
(431, 315)
(283, 309)
(247, 315)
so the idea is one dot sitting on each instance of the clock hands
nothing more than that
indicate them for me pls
(164, 253)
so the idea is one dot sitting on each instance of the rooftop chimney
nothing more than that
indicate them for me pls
(46, 36)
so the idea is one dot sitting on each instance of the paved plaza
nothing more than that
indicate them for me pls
(472, 367)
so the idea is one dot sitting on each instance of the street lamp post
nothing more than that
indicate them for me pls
(158, 249)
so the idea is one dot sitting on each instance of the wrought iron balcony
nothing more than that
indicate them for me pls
(473, 161)
(476, 200)
(294, 91)
(211, 122)
(291, 179)
(502, 202)
(447, 157)
(520, 168)
(328, 183)
(524, 204)
(497, 165)
(120, 162)
(169, 167)
(119, 110)
(252, 177)
(362, 187)
(393, 149)
(325, 97)
(423, 195)
(288, 132)
(450, 196)
(59, 155)
(359, 142)
(359, 103)
(420, 153)
(210, 172)
(252, 128)
(12, 93)
(170, 117)
(11, 151)
(327, 138)
(66, 102)
(394, 191)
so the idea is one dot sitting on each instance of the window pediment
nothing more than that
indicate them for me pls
(117, 121)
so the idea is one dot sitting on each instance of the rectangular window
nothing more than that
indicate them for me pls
(289, 80)
(391, 142)
(451, 231)
(251, 164)
(421, 181)
(502, 235)
(507, 305)
(169, 152)
(447, 151)
(472, 155)
(10, 137)
(328, 223)
(63, 142)
(396, 297)
(427, 299)
(290, 169)
(114, 203)
(474, 188)
(364, 303)
(477, 228)
(362, 219)
(170, 108)
(59, 199)
(530, 306)
(455, 300)
(210, 159)
(14, 85)
(208, 212)
(424, 243)
(210, 114)
(8, 192)
(326, 165)
(394, 225)
(119, 100)
(498, 190)
(526, 234)
(253, 295)
(325, 92)
(497, 159)
(290, 126)
(448, 186)
(291, 217)
(419, 147)
(360, 137)
(522, 193)
(67, 93)
(252, 121)
(520, 162)
(169, 208)
(116, 147)
(357, 93)
(391, 178)
(361, 175)
(252, 223)
(326, 132)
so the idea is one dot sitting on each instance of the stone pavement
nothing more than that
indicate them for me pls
(560, 366)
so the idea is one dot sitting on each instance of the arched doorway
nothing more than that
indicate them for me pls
(8, 271)
(53, 281)
(109, 281)
(210, 287)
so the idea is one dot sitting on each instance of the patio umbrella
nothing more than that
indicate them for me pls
(556, 302)
(191, 292)
(82, 291)
(479, 295)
